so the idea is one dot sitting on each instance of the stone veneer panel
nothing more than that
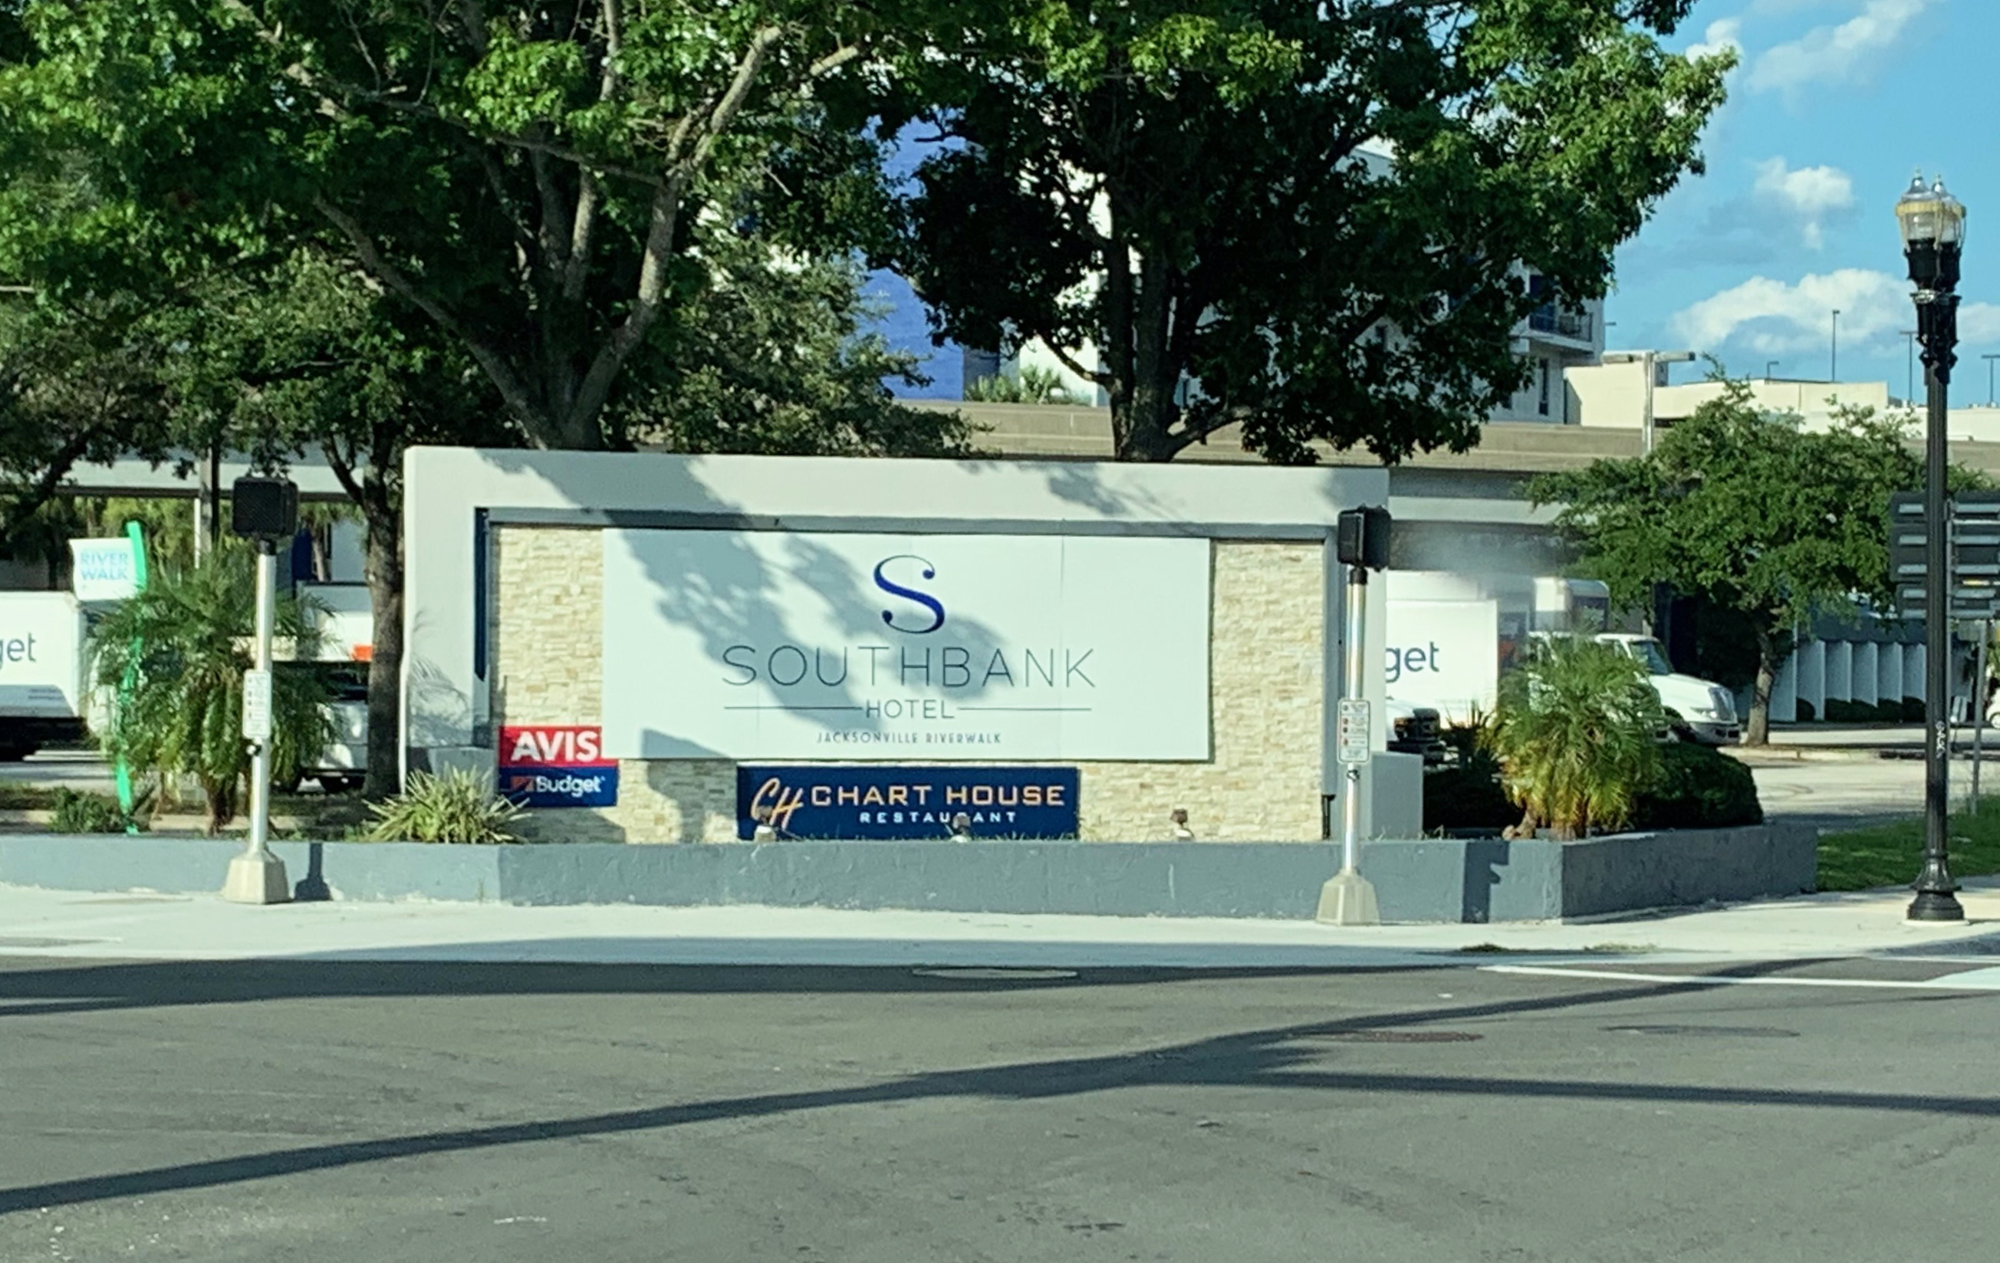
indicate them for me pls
(1267, 679)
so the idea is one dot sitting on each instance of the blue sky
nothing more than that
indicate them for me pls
(1834, 105)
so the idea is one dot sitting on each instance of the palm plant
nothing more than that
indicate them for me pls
(1577, 733)
(186, 639)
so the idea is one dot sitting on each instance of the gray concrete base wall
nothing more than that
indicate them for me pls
(1415, 881)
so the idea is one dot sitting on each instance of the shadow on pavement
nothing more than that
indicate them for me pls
(63, 987)
(1271, 1057)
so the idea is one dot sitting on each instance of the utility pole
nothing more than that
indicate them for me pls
(1833, 360)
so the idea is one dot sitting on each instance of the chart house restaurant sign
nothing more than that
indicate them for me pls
(907, 802)
(777, 646)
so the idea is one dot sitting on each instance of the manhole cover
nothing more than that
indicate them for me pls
(997, 975)
(1401, 1037)
(1728, 1032)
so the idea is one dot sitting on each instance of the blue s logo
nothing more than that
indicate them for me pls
(930, 603)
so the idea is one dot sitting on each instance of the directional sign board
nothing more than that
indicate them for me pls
(1974, 553)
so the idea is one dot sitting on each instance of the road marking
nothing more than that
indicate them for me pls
(1968, 980)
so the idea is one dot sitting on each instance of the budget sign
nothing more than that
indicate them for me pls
(556, 765)
(907, 802)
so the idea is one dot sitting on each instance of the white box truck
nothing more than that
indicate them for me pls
(1450, 636)
(44, 693)
(346, 625)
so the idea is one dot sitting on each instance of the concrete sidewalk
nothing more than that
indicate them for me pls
(50, 923)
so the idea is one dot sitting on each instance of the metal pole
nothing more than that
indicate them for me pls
(1833, 363)
(260, 762)
(1646, 419)
(1979, 704)
(1935, 900)
(1354, 686)
(1347, 898)
(258, 876)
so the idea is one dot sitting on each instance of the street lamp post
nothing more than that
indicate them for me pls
(1833, 353)
(1933, 229)
(1989, 377)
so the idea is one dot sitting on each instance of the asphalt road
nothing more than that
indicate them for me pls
(371, 1113)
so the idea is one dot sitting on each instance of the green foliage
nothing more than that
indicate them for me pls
(1466, 793)
(778, 361)
(75, 812)
(1034, 385)
(1183, 187)
(543, 189)
(187, 641)
(1577, 732)
(458, 806)
(1699, 788)
(1761, 521)
(80, 383)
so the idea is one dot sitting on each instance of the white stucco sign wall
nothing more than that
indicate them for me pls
(841, 646)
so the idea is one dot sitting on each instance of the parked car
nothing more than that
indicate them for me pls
(1417, 730)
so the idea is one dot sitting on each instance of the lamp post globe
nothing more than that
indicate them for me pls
(1932, 223)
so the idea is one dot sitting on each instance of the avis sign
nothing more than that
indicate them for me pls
(773, 645)
(556, 765)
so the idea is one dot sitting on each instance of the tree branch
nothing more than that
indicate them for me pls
(43, 489)
(729, 106)
(343, 470)
(489, 358)
(1075, 365)
(611, 357)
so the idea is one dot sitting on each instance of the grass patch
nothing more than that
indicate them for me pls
(1890, 854)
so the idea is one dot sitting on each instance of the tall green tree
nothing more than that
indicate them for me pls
(81, 383)
(534, 179)
(1177, 196)
(1749, 513)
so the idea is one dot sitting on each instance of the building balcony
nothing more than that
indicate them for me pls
(1555, 321)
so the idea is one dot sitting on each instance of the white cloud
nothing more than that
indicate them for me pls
(1771, 318)
(1721, 35)
(1835, 54)
(1808, 196)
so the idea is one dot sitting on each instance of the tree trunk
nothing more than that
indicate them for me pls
(1757, 731)
(385, 664)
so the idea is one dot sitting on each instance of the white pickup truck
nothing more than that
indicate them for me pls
(1696, 709)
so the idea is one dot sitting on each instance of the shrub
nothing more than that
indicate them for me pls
(458, 806)
(1467, 794)
(1913, 710)
(1467, 798)
(74, 812)
(1806, 713)
(1577, 734)
(1699, 788)
(177, 652)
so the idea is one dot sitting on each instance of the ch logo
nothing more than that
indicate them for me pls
(933, 608)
